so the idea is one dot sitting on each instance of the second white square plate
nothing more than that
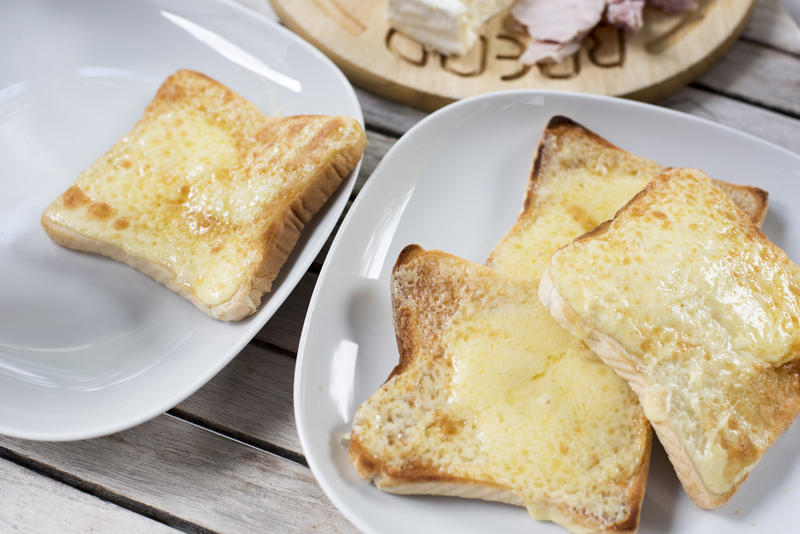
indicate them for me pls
(455, 182)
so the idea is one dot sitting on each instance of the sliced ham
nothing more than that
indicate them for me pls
(625, 14)
(556, 27)
(558, 21)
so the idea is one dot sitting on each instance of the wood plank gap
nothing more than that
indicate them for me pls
(240, 437)
(102, 493)
(383, 130)
(770, 46)
(274, 348)
(740, 98)
(316, 267)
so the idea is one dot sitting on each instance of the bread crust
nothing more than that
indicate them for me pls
(753, 200)
(416, 479)
(281, 237)
(612, 352)
(429, 479)
(425, 480)
(299, 201)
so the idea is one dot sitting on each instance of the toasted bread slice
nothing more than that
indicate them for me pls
(206, 194)
(687, 300)
(578, 180)
(575, 172)
(486, 402)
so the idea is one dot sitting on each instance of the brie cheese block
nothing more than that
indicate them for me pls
(447, 26)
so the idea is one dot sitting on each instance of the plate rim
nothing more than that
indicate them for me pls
(349, 511)
(256, 321)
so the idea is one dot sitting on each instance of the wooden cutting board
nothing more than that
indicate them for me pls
(668, 53)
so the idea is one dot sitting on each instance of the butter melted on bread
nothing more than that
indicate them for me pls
(578, 181)
(207, 194)
(684, 296)
(485, 368)
(487, 403)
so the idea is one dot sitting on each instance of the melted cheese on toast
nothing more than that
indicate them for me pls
(706, 311)
(201, 186)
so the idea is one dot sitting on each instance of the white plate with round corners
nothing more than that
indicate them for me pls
(455, 182)
(89, 346)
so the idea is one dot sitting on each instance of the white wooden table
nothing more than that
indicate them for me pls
(228, 460)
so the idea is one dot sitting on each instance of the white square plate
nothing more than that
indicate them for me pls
(455, 182)
(89, 346)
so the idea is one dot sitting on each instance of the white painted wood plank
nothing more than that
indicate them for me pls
(771, 126)
(283, 329)
(758, 74)
(251, 397)
(35, 503)
(768, 125)
(793, 8)
(774, 127)
(772, 25)
(323, 253)
(378, 145)
(389, 116)
(195, 475)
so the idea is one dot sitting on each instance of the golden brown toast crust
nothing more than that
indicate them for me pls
(425, 478)
(268, 237)
(779, 398)
(751, 199)
(416, 478)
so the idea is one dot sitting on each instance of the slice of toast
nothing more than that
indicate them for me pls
(488, 403)
(572, 170)
(577, 181)
(206, 194)
(689, 302)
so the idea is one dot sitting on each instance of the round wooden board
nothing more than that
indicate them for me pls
(669, 52)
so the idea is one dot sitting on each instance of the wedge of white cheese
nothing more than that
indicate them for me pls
(447, 26)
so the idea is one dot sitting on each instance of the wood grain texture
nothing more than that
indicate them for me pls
(283, 329)
(35, 503)
(763, 123)
(768, 125)
(758, 74)
(250, 398)
(771, 25)
(389, 116)
(378, 145)
(669, 52)
(195, 475)
(771, 126)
